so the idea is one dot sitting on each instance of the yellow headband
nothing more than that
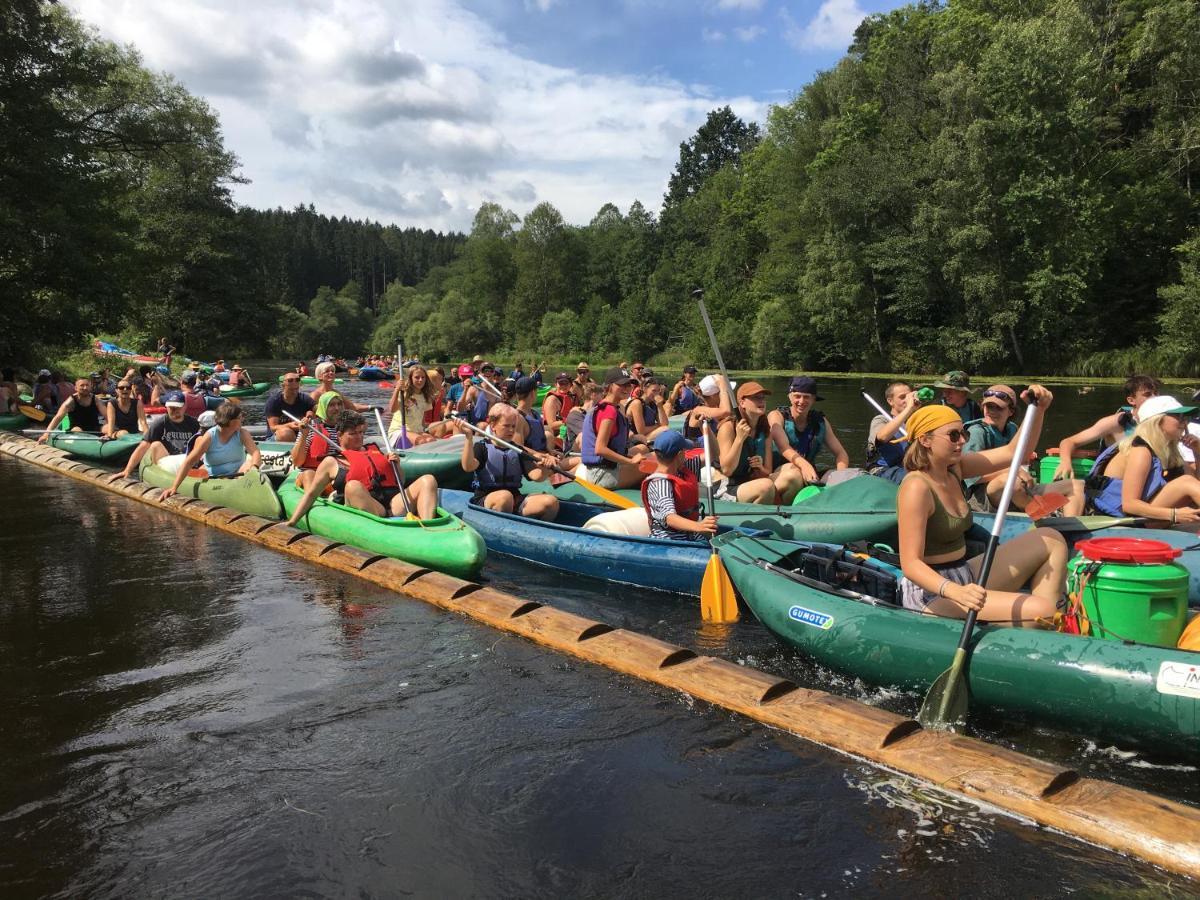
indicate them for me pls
(930, 418)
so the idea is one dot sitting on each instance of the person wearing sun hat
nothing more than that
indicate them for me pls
(747, 453)
(1146, 474)
(556, 406)
(671, 494)
(800, 432)
(933, 519)
(956, 393)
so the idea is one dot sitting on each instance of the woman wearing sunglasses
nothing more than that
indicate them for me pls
(126, 414)
(1146, 474)
(939, 579)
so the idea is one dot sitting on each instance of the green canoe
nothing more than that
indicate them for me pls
(445, 467)
(446, 543)
(1125, 692)
(93, 446)
(310, 379)
(249, 493)
(13, 422)
(259, 387)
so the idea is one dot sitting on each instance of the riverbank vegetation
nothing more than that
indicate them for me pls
(983, 184)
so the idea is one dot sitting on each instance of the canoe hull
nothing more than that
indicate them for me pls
(90, 447)
(373, 373)
(446, 544)
(259, 387)
(445, 467)
(1103, 688)
(14, 422)
(250, 493)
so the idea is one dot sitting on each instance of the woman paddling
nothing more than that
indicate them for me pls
(934, 518)
(227, 449)
(1145, 474)
(411, 399)
(313, 445)
(126, 414)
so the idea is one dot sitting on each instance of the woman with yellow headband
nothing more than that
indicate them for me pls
(934, 518)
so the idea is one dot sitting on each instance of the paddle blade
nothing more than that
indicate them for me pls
(32, 412)
(610, 497)
(1042, 505)
(402, 442)
(945, 704)
(718, 602)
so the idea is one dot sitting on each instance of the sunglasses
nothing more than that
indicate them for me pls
(122, 387)
(1000, 395)
(955, 436)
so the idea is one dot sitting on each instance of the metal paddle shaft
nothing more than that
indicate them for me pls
(395, 471)
(718, 602)
(404, 441)
(946, 702)
(712, 339)
(883, 412)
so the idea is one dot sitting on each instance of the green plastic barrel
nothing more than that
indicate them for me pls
(1143, 602)
(1047, 464)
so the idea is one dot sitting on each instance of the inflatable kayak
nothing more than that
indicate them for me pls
(373, 373)
(445, 467)
(249, 493)
(93, 446)
(259, 387)
(13, 422)
(104, 348)
(1121, 691)
(445, 543)
(311, 379)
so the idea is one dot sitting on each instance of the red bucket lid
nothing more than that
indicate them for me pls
(1128, 550)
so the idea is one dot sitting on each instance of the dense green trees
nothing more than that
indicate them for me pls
(984, 184)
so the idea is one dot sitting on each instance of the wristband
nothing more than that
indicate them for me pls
(1174, 513)
(942, 587)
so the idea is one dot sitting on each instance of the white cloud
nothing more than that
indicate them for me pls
(750, 33)
(413, 111)
(740, 4)
(540, 5)
(712, 35)
(832, 28)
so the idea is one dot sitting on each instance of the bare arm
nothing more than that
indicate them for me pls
(63, 410)
(834, 443)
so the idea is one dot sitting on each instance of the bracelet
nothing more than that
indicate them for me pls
(1174, 513)
(942, 587)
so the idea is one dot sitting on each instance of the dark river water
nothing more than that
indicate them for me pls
(190, 715)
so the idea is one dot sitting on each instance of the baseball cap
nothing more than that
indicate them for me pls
(524, 385)
(1161, 406)
(188, 378)
(617, 376)
(802, 384)
(43, 373)
(563, 376)
(207, 419)
(955, 380)
(174, 398)
(709, 385)
(751, 389)
(689, 370)
(465, 371)
(476, 358)
(669, 443)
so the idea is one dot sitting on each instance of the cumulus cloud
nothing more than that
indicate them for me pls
(414, 112)
(712, 35)
(740, 4)
(539, 5)
(832, 28)
(750, 33)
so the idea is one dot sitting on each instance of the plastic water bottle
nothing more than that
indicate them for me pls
(925, 394)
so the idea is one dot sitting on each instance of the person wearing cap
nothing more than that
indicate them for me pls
(1112, 428)
(499, 471)
(885, 444)
(605, 457)
(479, 398)
(800, 432)
(168, 435)
(315, 437)
(583, 377)
(956, 393)
(715, 405)
(457, 385)
(532, 431)
(81, 410)
(557, 405)
(227, 449)
(126, 414)
(747, 453)
(239, 377)
(939, 579)
(287, 398)
(192, 395)
(684, 396)
(218, 366)
(671, 493)
(639, 373)
(102, 384)
(1146, 474)
(997, 429)
(646, 411)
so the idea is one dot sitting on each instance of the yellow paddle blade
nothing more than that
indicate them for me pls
(718, 602)
(32, 412)
(606, 495)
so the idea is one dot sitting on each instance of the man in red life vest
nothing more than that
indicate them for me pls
(671, 494)
(364, 477)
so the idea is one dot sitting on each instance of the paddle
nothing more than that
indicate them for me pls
(882, 411)
(712, 339)
(610, 497)
(408, 513)
(72, 434)
(32, 412)
(405, 443)
(946, 702)
(718, 602)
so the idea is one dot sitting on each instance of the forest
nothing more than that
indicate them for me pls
(992, 185)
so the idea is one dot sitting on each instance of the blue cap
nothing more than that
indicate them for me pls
(174, 398)
(669, 443)
(524, 385)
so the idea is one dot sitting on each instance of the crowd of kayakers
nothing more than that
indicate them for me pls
(948, 446)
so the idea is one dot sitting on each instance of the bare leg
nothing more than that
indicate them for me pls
(760, 490)
(360, 498)
(540, 506)
(789, 481)
(500, 501)
(422, 495)
(318, 481)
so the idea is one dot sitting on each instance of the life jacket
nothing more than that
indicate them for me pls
(370, 467)
(755, 446)
(993, 438)
(686, 488)
(537, 431)
(194, 404)
(478, 412)
(319, 448)
(1105, 492)
(969, 412)
(434, 413)
(86, 418)
(687, 400)
(884, 454)
(649, 412)
(809, 442)
(618, 441)
(502, 471)
(567, 399)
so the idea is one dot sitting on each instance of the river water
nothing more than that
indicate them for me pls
(187, 714)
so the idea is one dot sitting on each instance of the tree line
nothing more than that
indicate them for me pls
(983, 184)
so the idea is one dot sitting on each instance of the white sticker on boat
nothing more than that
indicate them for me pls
(1179, 678)
(811, 617)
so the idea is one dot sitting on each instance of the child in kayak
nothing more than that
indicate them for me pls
(499, 471)
(934, 518)
(671, 494)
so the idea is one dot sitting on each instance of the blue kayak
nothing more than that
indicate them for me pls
(373, 373)
(673, 566)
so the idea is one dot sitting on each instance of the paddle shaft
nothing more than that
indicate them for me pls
(708, 472)
(507, 446)
(403, 398)
(712, 339)
(883, 412)
(395, 471)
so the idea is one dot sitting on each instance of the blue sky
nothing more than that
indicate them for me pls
(417, 111)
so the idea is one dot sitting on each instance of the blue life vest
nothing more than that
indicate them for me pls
(756, 445)
(537, 432)
(618, 441)
(809, 442)
(968, 412)
(885, 454)
(687, 400)
(1105, 492)
(502, 471)
(478, 413)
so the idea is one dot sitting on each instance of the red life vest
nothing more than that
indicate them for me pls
(318, 449)
(686, 488)
(434, 413)
(302, 370)
(370, 468)
(568, 402)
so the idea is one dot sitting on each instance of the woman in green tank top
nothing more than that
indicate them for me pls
(934, 517)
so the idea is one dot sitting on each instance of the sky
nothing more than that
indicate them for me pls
(415, 112)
